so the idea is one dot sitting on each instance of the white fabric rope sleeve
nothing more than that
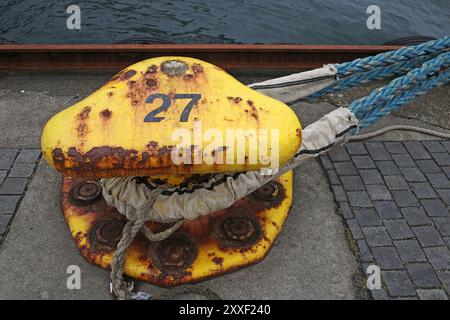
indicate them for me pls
(298, 85)
(220, 192)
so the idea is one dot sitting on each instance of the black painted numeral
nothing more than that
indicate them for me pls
(151, 116)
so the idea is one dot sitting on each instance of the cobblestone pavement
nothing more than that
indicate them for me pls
(395, 199)
(16, 169)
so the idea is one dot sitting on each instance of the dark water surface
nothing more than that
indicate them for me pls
(226, 21)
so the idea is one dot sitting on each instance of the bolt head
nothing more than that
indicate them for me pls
(86, 191)
(239, 228)
(176, 252)
(174, 67)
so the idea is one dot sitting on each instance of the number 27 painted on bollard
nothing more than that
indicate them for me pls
(166, 102)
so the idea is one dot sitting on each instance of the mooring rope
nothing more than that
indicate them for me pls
(358, 79)
(391, 57)
(121, 288)
(402, 90)
(384, 130)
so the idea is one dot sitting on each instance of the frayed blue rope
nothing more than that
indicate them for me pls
(425, 66)
(392, 57)
(416, 82)
(409, 96)
(358, 79)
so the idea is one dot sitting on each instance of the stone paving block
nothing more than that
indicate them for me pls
(443, 225)
(413, 175)
(427, 236)
(376, 236)
(428, 166)
(432, 294)
(22, 170)
(355, 229)
(338, 153)
(433, 146)
(439, 257)
(438, 180)
(442, 159)
(13, 186)
(333, 178)
(363, 162)
(352, 183)
(416, 150)
(4, 221)
(345, 168)
(423, 275)
(8, 204)
(28, 155)
(367, 217)
(403, 160)
(387, 167)
(396, 182)
(395, 147)
(415, 216)
(359, 199)
(446, 144)
(434, 207)
(444, 276)
(447, 240)
(387, 210)
(346, 210)
(2, 175)
(387, 258)
(371, 176)
(7, 157)
(339, 193)
(364, 251)
(398, 283)
(423, 190)
(410, 250)
(405, 198)
(355, 148)
(444, 194)
(378, 192)
(377, 151)
(326, 162)
(398, 229)
(446, 170)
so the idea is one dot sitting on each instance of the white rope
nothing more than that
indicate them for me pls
(160, 236)
(384, 130)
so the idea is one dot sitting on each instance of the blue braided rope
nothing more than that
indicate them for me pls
(406, 97)
(358, 79)
(391, 57)
(363, 106)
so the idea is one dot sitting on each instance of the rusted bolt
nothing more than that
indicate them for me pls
(176, 252)
(239, 229)
(86, 192)
(174, 67)
(105, 234)
(268, 192)
(110, 231)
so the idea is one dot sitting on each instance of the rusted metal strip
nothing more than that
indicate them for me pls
(118, 56)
